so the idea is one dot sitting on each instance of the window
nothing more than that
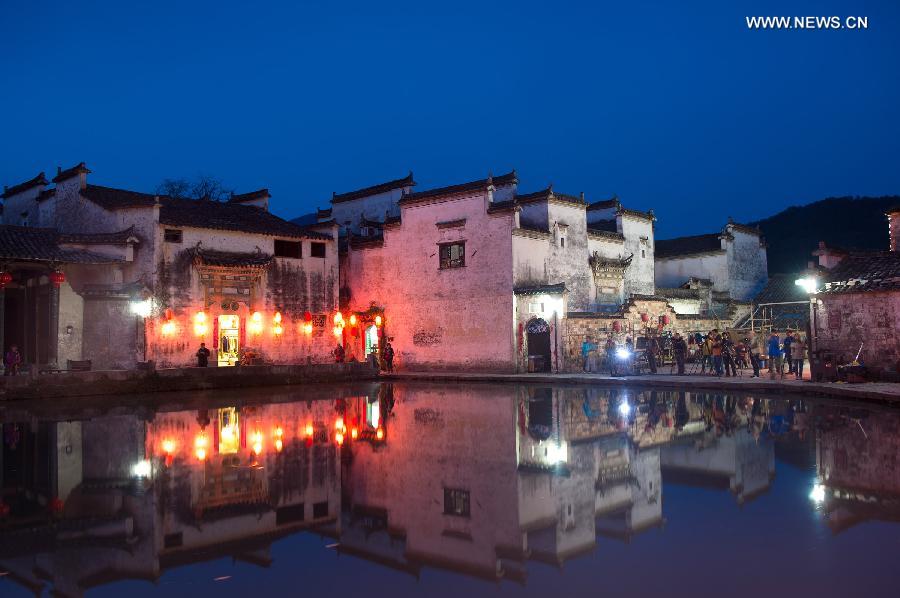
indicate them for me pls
(562, 241)
(292, 249)
(172, 235)
(456, 502)
(320, 509)
(317, 249)
(453, 255)
(643, 253)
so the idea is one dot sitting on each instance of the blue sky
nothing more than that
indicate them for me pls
(674, 106)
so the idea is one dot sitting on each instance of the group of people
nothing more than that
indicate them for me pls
(387, 357)
(718, 353)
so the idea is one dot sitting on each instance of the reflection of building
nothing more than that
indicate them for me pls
(737, 462)
(442, 490)
(115, 276)
(134, 497)
(857, 470)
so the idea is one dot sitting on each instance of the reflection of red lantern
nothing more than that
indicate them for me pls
(4, 509)
(644, 317)
(354, 331)
(617, 326)
(56, 506)
(57, 278)
(5, 279)
(168, 313)
(307, 316)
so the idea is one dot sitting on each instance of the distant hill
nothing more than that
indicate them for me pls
(846, 222)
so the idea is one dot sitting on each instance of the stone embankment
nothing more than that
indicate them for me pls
(882, 391)
(126, 382)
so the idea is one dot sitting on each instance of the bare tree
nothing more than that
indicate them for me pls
(203, 187)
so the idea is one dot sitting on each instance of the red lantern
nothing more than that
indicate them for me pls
(617, 326)
(56, 506)
(168, 314)
(57, 277)
(5, 279)
(307, 316)
(665, 319)
(645, 317)
(354, 331)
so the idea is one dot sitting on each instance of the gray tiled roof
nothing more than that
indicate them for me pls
(865, 271)
(32, 244)
(406, 181)
(688, 245)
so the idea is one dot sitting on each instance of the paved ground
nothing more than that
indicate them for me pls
(882, 391)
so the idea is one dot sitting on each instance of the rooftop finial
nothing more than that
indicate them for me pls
(582, 196)
(58, 170)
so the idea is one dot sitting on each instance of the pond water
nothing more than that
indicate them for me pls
(450, 490)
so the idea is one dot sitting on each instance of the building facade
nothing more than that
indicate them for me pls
(148, 278)
(732, 263)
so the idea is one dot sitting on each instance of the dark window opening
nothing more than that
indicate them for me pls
(317, 249)
(172, 235)
(173, 540)
(643, 253)
(456, 502)
(289, 514)
(453, 255)
(292, 249)
(562, 241)
(320, 509)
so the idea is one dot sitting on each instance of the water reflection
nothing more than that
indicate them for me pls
(483, 481)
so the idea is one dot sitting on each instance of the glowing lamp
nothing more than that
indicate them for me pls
(279, 432)
(279, 444)
(141, 469)
(277, 317)
(57, 277)
(338, 318)
(256, 324)
(5, 279)
(168, 328)
(142, 308)
(309, 430)
(257, 442)
(168, 446)
(307, 328)
(808, 284)
(339, 423)
(200, 327)
(338, 330)
(339, 438)
(277, 330)
(354, 433)
(379, 433)
(378, 320)
(624, 409)
(817, 495)
(353, 319)
(200, 445)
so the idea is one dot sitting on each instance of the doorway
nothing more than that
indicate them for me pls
(538, 343)
(229, 340)
(371, 339)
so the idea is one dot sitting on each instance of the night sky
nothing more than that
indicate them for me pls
(671, 105)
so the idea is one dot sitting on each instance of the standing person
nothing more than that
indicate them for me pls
(338, 354)
(679, 348)
(706, 353)
(755, 348)
(611, 355)
(202, 356)
(12, 360)
(776, 357)
(716, 352)
(652, 352)
(728, 355)
(786, 348)
(389, 357)
(586, 347)
(798, 354)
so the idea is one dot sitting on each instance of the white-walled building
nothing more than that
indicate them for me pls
(148, 277)
(733, 261)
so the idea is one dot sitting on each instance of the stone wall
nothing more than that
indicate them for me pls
(844, 321)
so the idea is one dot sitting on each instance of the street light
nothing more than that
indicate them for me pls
(808, 283)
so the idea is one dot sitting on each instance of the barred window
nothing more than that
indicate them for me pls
(172, 235)
(317, 249)
(456, 502)
(292, 249)
(453, 255)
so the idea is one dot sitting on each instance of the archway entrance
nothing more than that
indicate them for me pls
(538, 343)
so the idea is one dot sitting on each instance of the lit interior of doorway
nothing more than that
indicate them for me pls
(371, 339)
(373, 413)
(229, 431)
(229, 340)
